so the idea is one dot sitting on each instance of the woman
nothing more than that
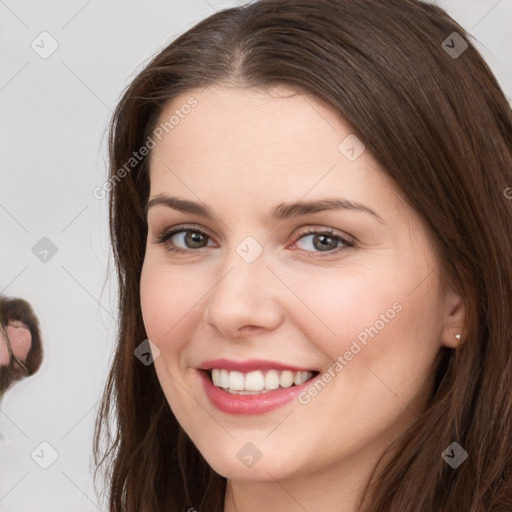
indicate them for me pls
(310, 223)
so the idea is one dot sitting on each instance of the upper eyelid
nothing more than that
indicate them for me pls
(184, 228)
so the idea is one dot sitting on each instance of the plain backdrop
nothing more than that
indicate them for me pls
(53, 117)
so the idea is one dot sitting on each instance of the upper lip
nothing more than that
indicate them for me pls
(249, 365)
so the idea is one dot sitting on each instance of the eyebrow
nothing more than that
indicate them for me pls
(281, 212)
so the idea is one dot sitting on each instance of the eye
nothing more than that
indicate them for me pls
(323, 241)
(183, 239)
(188, 239)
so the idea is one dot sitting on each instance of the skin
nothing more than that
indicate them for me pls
(241, 152)
(20, 338)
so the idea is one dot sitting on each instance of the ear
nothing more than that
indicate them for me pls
(452, 334)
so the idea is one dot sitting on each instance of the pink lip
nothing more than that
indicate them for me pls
(247, 366)
(250, 405)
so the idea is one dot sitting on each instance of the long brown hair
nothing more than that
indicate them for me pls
(432, 114)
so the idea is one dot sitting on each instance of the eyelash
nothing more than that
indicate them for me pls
(347, 244)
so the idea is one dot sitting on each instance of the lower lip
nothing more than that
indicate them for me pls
(250, 405)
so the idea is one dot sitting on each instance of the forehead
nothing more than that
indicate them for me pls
(246, 123)
(260, 144)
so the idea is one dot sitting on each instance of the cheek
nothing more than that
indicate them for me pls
(383, 320)
(342, 305)
(382, 352)
(167, 299)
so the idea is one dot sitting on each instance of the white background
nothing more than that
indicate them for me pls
(53, 118)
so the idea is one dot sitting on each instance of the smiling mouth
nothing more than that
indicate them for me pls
(259, 381)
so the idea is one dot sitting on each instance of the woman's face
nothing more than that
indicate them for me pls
(270, 289)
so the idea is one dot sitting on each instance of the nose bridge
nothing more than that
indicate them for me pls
(244, 271)
(245, 293)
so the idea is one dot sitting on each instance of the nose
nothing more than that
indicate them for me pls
(246, 300)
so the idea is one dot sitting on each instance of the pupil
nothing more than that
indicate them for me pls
(324, 242)
(194, 239)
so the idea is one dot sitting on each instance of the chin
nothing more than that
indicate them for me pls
(233, 464)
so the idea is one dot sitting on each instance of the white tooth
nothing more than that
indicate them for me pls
(304, 376)
(286, 379)
(236, 381)
(224, 379)
(254, 381)
(271, 380)
(216, 377)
